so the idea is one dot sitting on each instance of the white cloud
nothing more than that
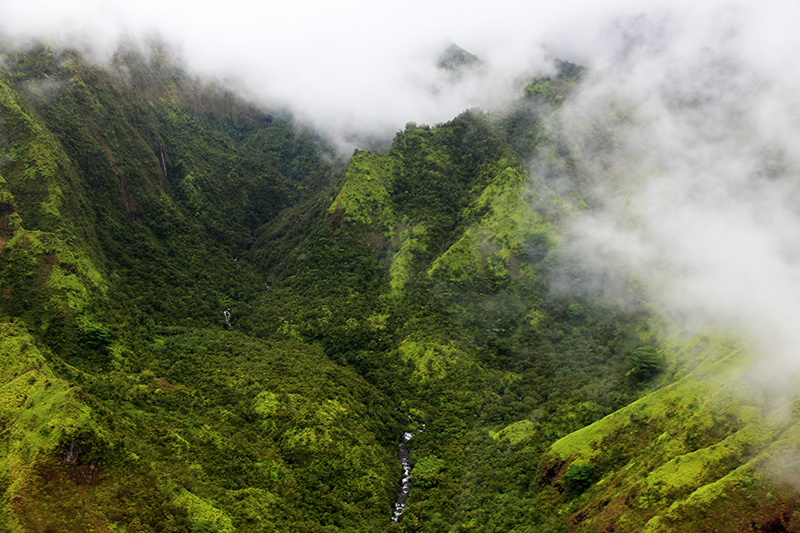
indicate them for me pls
(701, 195)
(357, 64)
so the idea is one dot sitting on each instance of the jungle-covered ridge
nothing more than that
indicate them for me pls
(212, 322)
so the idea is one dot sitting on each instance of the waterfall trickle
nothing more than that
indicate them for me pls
(405, 482)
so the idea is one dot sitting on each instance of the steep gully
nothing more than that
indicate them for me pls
(402, 453)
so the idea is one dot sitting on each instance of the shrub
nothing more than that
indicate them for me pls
(97, 338)
(644, 363)
(579, 477)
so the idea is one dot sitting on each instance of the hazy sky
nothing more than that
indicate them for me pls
(700, 193)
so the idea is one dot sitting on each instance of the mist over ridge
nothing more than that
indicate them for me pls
(360, 68)
(698, 189)
(695, 188)
(697, 193)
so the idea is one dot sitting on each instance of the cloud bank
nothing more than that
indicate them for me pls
(351, 67)
(697, 177)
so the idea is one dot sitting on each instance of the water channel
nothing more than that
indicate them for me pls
(405, 481)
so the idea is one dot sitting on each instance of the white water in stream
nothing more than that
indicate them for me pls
(405, 481)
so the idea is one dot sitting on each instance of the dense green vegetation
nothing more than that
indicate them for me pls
(208, 322)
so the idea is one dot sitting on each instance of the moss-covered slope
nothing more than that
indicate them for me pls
(208, 323)
(714, 450)
(129, 404)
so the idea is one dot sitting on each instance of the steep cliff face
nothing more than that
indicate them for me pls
(213, 324)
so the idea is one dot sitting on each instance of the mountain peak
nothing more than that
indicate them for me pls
(455, 58)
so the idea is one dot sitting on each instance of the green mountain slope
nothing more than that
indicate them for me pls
(209, 323)
(710, 451)
(124, 218)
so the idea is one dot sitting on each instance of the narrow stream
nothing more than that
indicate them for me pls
(405, 481)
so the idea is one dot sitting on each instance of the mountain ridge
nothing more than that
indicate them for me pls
(212, 324)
